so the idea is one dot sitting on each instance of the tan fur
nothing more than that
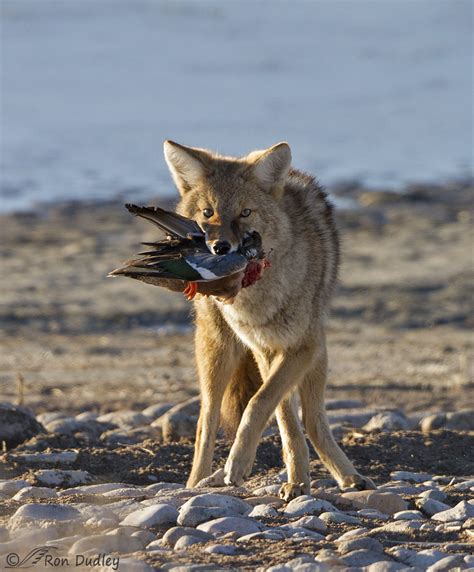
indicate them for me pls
(276, 325)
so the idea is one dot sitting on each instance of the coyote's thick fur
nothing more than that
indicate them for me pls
(255, 354)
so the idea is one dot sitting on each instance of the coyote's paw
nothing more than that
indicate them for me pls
(357, 482)
(237, 469)
(290, 491)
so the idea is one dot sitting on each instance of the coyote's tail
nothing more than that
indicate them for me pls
(243, 385)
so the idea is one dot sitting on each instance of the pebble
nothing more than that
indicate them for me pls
(462, 511)
(263, 535)
(216, 500)
(264, 499)
(263, 511)
(311, 523)
(179, 421)
(124, 419)
(464, 485)
(17, 425)
(372, 513)
(107, 543)
(71, 426)
(127, 492)
(300, 532)
(387, 421)
(91, 489)
(131, 436)
(152, 516)
(387, 503)
(430, 506)
(354, 533)
(412, 477)
(161, 487)
(398, 526)
(306, 504)
(185, 541)
(157, 410)
(13, 486)
(408, 515)
(338, 518)
(194, 515)
(363, 543)
(172, 535)
(34, 493)
(363, 557)
(435, 494)
(220, 526)
(63, 478)
(226, 549)
(42, 515)
(422, 559)
(445, 564)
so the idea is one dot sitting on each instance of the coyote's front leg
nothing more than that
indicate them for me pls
(285, 371)
(217, 356)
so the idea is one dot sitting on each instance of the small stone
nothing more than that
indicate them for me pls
(179, 421)
(133, 436)
(408, 515)
(157, 410)
(306, 504)
(17, 425)
(362, 543)
(264, 499)
(387, 503)
(446, 564)
(268, 490)
(216, 500)
(263, 535)
(385, 566)
(354, 533)
(398, 526)
(186, 541)
(42, 515)
(172, 535)
(363, 557)
(194, 515)
(431, 506)
(460, 420)
(127, 492)
(435, 494)
(13, 486)
(165, 487)
(461, 512)
(263, 511)
(107, 543)
(343, 404)
(86, 416)
(338, 518)
(124, 419)
(422, 559)
(412, 477)
(226, 549)
(34, 493)
(151, 516)
(71, 426)
(352, 418)
(387, 421)
(220, 526)
(295, 532)
(63, 478)
(372, 513)
(464, 485)
(311, 523)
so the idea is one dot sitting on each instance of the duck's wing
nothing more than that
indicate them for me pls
(170, 222)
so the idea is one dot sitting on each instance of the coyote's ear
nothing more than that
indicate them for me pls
(186, 164)
(271, 166)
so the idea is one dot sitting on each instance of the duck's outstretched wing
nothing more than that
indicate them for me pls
(170, 222)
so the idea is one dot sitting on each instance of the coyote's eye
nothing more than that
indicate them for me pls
(245, 212)
(208, 212)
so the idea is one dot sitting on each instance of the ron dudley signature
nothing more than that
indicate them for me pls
(47, 557)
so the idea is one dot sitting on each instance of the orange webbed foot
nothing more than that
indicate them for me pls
(190, 290)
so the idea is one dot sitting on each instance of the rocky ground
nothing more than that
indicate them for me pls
(95, 460)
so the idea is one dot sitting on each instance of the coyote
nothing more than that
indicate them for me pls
(257, 348)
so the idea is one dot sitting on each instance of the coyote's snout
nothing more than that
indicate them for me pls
(257, 355)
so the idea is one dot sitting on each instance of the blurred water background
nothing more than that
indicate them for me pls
(374, 91)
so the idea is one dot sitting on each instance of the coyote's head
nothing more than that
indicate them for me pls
(231, 196)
